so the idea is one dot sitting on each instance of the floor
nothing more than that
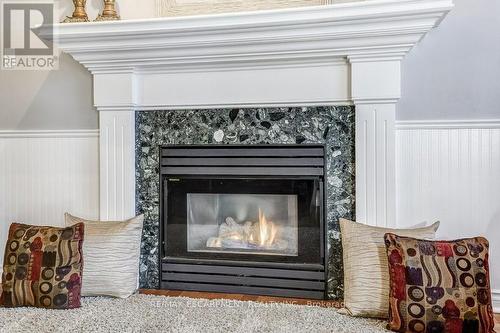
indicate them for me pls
(264, 299)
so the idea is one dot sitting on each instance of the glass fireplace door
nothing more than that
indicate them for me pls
(252, 219)
(242, 223)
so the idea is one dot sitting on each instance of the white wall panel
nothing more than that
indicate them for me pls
(117, 167)
(447, 171)
(43, 174)
(450, 171)
(375, 163)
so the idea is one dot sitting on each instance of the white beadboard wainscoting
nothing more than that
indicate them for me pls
(46, 173)
(447, 171)
(450, 171)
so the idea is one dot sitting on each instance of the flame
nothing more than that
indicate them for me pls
(261, 234)
(267, 230)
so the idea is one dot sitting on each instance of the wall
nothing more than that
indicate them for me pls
(59, 99)
(449, 167)
(45, 174)
(444, 77)
(453, 72)
(27, 98)
(450, 172)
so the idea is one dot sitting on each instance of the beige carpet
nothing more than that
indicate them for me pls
(146, 313)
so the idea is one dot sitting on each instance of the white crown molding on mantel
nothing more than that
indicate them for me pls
(361, 31)
(347, 53)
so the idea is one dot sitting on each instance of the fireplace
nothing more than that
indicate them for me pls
(182, 83)
(243, 219)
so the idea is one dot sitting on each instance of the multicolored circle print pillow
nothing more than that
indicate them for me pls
(439, 286)
(43, 267)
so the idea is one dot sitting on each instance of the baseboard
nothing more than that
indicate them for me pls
(495, 296)
(447, 124)
(19, 134)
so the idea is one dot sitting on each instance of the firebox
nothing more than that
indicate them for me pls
(243, 219)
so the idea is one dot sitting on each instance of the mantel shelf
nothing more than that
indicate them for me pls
(360, 31)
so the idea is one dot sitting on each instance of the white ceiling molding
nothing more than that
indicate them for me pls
(346, 53)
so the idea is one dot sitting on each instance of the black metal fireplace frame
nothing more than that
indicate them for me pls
(302, 280)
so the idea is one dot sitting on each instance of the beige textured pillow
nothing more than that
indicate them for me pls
(366, 271)
(111, 253)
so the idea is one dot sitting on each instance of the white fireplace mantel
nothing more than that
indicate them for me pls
(336, 54)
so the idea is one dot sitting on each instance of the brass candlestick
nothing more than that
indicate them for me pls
(109, 12)
(79, 15)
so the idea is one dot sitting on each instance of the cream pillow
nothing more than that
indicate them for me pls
(111, 252)
(366, 270)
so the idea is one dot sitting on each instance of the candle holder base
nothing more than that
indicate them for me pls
(72, 19)
(102, 17)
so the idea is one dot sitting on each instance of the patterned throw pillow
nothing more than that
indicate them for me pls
(42, 267)
(439, 286)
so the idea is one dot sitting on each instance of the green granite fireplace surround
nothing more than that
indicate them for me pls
(329, 125)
